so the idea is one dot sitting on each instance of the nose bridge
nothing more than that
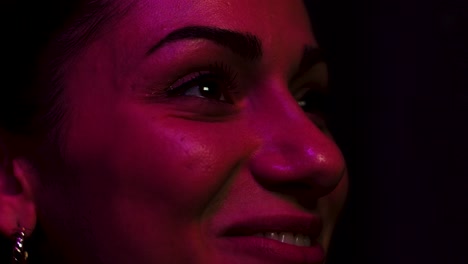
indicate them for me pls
(294, 151)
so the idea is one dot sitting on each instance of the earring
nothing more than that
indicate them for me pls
(19, 253)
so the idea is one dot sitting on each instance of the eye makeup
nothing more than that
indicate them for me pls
(216, 82)
(311, 93)
(219, 82)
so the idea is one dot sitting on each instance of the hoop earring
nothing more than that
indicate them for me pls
(20, 255)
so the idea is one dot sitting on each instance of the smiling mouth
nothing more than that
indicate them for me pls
(295, 231)
(275, 239)
(290, 238)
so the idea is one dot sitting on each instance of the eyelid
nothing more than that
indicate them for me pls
(218, 70)
(317, 74)
(187, 79)
(170, 88)
(310, 89)
(314, 80)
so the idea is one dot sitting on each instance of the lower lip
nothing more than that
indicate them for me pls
(272, 251)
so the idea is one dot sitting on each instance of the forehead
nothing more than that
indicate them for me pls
(240, 11)
(241, 14)
(273, 21)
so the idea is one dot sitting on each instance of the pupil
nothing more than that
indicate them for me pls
(210, 90)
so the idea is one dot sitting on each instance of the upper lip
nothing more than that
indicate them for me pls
(309, 225)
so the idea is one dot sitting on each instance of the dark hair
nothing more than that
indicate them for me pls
(40, 39)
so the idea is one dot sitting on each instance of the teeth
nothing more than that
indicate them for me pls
(287, 238)
(272, 235)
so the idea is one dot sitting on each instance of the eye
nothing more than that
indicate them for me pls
(205, 86)
(316, 104)
(218, 83)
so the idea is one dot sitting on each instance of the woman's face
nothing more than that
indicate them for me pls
(186, 142)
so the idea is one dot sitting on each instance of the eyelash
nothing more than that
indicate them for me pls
(316, 103)
(218, 73)
(317, 106)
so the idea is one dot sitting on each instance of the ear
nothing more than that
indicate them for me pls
(17, 208)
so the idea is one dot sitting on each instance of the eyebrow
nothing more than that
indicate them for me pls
(245, 45)
(311, 56)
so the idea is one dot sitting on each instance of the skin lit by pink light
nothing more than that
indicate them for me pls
(161, 169)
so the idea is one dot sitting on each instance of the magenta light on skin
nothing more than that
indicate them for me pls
(185, 143)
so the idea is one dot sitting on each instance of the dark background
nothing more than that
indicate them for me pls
(399, 72)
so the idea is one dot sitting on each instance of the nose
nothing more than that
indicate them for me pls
(295, 157)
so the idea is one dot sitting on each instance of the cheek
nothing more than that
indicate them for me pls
(332, 204)
(172, 162)
(175, 164)
(330, 207)
(138, 171)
